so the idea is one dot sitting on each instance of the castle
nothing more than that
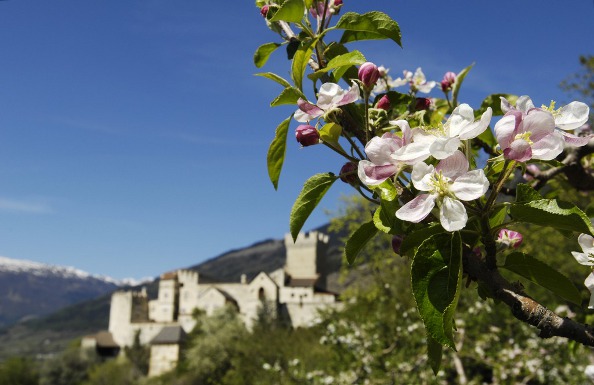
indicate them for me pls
(293, 291)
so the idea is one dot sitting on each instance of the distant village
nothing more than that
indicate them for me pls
(296, 292)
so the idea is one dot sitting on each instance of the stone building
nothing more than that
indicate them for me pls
(293, 292)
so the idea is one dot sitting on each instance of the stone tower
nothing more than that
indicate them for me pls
(304, 257)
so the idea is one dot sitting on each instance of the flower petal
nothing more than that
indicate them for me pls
(524, 103)
(452, 214)
(329, 95)
(476, 128)
(417, 209)
(443, 147)
(462, 116)
(421, 176)
(548, 147)
(572, 116)
(405, 128)
(573, 140)
(472, 185)
(412, 153)
(352, 95)
(518, 150)
(379, 150)
(539, 123)
(587, 243)
(506, 105)
(453, 166)
(505, 128)
(426, 87)
(583, 258)
(371, 174)
(589, 282)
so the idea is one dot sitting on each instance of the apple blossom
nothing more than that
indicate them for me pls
(509, 239)
(524, 136)
(264, 10)
(586, 257)
(448, 81)
(307, 135)
(417, 82)
(368, 74)
(381, 165)
(422, 104)
(567, 118)
(383, 103)
(446, 185)
(444, 140)
(589, 283)
(330, 97)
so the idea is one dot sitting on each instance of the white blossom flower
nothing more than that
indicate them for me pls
(417, 81)
(586, 257)
(446, 185)
(330, 97)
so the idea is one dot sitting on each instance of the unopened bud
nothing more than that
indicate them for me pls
(348, 173)
(337, 3)
(422, 104)
(383, 103)
(264, 11)
(397, 243)
(448, 81)
(368, 74)
(307, 135)
(509, 239)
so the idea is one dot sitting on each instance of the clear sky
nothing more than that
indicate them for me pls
(133, 134)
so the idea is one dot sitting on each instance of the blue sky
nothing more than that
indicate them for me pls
(133, 134)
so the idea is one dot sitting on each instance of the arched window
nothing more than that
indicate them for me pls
(261, 294)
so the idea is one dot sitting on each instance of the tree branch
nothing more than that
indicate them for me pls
(525, 308)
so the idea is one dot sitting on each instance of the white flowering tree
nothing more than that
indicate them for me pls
(444, 176)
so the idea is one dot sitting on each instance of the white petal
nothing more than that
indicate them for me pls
(426, 87)
(453, 166)
(421, 175)
(417, 209)
(372, 174)
(583, 258)
(505, 105)
(379, 150)
(462, 116)
(452, 214)
(548, 147)
(524, 103)
(572, 116)
(539, 123)
(470, 186)
(412, 153)
(303, 117)
(329, 95)
(443, 147)
(475, 129)
(405, 128)
(587, 243)
(589, 282)
(505, 129)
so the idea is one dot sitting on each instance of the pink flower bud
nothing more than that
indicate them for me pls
(509, 239)
(397, 243)
(448, 80)
(264, 11)
(531, 171)
(422, 104)
(337, 3)
(348, 173)
(383, 103)
(368, 74)
(307, 135)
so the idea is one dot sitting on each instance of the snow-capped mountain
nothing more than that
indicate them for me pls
(30, 289)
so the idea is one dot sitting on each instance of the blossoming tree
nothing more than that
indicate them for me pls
(446, 185)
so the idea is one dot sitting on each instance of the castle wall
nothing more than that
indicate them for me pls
(163, 359)
(302, 254)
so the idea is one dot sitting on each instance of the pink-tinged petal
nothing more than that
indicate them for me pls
(573, 140)
(589, 282)
(453, 166)
(587, 243)
(426, 87)
(518, 150)
(417, 209)
(412, 153)
(505, 105)
(452, 214)
(421, 176)
(302, 117)
(371, 174)
(539, 123)
(583, 258)
(462, 116)
(524, 104)
(505, 128)
(572, 116)
(308, 108)
(351, 96)
(475, 129)
(443, 147)
(378, 150)
(548, 147)
(407, 133)
(329, 95)
(470, 186)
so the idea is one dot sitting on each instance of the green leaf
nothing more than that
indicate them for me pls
(494, 101)
(488, 137)
(291, 11)
(300, 61)
(276, 152)
(436, 275)
(358, 240)
(525, 193)
(263, 53)
(543, 275)
(369, 26)
(274, 77)
(494, 166)
(313, 191)
(413, 240)
(386, 190)
(330, 133)
(434, 353)
(385, 219)
(289, 95)
(552, 213)
(458, 83)
(346, 60)
(498, 216)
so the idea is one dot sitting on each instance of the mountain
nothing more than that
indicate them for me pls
(30, 289)
(52, 333)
